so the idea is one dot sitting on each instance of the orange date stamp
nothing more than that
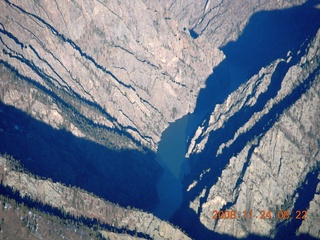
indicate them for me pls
(262, 214)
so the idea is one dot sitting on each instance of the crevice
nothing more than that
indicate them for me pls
(257, 131)
(165, 73)
(73, 44)
(45, 76)
(119, 128)
(236, 188)
(140, 60)
(61, 15)
(66, 86)
(305, 195)
(34, 36)
(213, 18)
(38, 5)
(16, 40)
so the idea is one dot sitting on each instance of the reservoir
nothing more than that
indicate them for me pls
(268, 36)
(170, 155)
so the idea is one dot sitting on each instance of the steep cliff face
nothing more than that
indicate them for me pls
(128, 68)
(271, 158)
(79, 203)
(310, 225)
(219, 20)
(105, 79)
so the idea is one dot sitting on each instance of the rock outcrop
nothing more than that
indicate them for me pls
(83, 204)
(220, 21)
(126, 67)
(117, 73)
(268, 172)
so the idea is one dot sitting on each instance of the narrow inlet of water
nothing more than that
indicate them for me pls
(170, 156)
(268, 36)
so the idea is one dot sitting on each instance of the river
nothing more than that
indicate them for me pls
(268, 36)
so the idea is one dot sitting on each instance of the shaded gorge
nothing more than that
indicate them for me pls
(268, 36)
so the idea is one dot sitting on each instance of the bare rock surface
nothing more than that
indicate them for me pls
(118, 73)
(80, 203)
(219, 20)
(267, 173)
(121, 59)
(115, 236)
(310, 224)
(257, 85)
(129, 66)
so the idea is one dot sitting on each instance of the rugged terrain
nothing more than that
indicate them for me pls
(272, 156)
(80, 204)
(19, 222)
(87, 89)
(128, 67)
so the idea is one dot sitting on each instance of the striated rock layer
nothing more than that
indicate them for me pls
(117, 73)
(128, 67)
(270, 158)
(83, 204)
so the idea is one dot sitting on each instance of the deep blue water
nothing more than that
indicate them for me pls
(193, 34)
(127, 177)
(170, 155)
(132, 179)
(268, 36)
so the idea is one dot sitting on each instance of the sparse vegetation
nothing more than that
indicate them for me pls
(18, 221)
(74, 109)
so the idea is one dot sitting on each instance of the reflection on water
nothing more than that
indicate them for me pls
(268, 36)
(170, 156)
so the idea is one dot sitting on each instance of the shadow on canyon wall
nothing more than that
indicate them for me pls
(128, 177)
(269, 35)
(58, 212)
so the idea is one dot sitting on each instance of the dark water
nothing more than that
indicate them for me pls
(193, 34)
(305, 195)
(132, 179)
(50, 210)
(268, 36)
(170, 155)
(127, 177)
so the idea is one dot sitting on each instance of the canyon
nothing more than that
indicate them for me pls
(161, 112)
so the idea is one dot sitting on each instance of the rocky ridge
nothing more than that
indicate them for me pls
(19, 222)
(80, 203)
(99, 53)
(122, 67)
(310, 224)
(257, 85)
(267, 172)
(118, 73)
(220, 21)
